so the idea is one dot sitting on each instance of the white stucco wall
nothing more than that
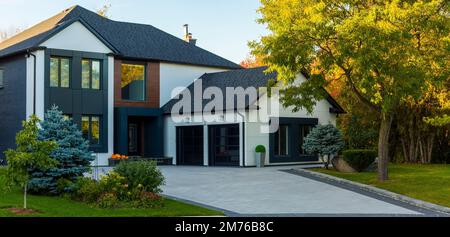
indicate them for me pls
(102, 158)
(253, 133)
(178, 75)
(40, 77)
(76, 37)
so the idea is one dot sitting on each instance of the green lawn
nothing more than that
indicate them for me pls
(62, 207)
(429, 183)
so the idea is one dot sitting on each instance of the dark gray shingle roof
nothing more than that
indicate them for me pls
(134, 41)
(245, 78)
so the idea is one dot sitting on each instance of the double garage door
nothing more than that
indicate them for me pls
(223, 140)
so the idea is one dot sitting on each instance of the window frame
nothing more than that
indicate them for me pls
(302, 137)
(278, 141)
(2, 77)
(91, 60)
(59, 58)
(145, 80)
(100, 127)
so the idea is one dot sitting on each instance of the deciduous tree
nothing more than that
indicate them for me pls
(30, 153)
(385, 51)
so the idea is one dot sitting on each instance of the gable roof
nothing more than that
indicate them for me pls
(245, 78)
(130, 40)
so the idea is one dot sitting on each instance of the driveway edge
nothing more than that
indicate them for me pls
(375, 190)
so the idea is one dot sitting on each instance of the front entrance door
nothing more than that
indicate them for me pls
(133, 139)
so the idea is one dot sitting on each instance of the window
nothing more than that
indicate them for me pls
(133, 82)
(90, 74)
(282, 141)
(59, 72)
(2, 72)
(67, 116)
(90, 127)
(304, 131)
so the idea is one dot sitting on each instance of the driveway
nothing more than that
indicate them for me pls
(270, 191)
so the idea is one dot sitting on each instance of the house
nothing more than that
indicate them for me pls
(116, 80)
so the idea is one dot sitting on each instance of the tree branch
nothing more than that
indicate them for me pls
(359, 94)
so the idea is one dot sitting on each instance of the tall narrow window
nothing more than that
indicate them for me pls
(90, 74)
(2, 72)
(59, 72)
(133, 82)
(90, 128)
(304, 131)
(282, 141)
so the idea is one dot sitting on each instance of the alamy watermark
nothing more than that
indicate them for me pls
(227, 105)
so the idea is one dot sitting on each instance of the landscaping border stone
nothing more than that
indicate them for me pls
(374, 190)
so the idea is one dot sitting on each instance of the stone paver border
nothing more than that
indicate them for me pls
(426, 208)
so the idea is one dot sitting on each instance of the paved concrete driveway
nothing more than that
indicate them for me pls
(269, 191)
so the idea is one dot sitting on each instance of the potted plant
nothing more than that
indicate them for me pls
(260, 157)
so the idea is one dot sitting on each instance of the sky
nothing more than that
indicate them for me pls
(223, 27)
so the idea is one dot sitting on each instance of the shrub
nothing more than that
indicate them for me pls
(108, 200)
(260, 149)
(148, 200)
(359, 159)
(112, 191)
(141, 174)
(324, 140)
(86, 190)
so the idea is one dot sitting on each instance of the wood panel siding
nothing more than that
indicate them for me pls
(152, 83)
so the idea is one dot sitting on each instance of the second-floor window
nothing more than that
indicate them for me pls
(133, 82)
(90, 74)
(59, 72)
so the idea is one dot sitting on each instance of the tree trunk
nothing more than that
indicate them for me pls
(383, 147)
(25, 195)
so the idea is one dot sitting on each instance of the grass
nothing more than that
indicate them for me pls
(429, 183)
(62, 207)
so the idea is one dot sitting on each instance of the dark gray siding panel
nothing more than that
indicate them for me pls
(12, 101)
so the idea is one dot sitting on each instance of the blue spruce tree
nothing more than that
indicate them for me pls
(324, 140)
(72, 153)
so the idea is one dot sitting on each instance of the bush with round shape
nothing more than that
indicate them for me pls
(359, 159)
(324, 140)
(260, 149)
(141, 173)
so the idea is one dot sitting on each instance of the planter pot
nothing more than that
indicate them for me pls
(342, 166)
(260, 158)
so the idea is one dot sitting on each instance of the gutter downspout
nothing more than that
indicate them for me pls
(34, 80)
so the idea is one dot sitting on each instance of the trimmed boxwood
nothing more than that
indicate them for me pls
(359, 159)
(260, 149)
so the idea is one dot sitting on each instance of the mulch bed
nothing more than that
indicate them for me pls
(21, 211)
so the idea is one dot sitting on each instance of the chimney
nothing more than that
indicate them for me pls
(188, 36)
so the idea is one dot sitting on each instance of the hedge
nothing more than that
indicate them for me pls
(359, 159)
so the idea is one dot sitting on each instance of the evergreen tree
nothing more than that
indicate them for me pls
(72, 153)
(324, 140)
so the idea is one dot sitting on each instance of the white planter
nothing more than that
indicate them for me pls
(260, 158)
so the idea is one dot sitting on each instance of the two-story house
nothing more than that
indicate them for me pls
(115, 80)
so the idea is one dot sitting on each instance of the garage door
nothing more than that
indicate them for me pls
(224, 145)
(190, 145)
